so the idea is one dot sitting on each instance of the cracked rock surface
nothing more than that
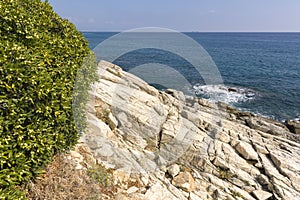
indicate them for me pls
(179, 147)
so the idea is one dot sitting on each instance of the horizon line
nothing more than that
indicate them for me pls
(115, 31)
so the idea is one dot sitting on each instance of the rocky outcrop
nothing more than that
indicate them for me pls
(293, 126)
(177, 147)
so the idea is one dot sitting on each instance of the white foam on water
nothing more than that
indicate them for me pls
(224, 93)
(297, 119)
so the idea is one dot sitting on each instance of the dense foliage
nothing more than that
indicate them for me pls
(40, 55)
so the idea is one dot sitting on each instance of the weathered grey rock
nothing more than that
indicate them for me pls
(121, 176)
(174, 170)
(254, 124)
(212, 188)
(113, 123)
(263, 179)
(184, 181)
(194, 197)
(159, 192)
(221, 163)
(224, 153)
(262, 195)
(177, 94)
(293, 126)
(224, 137)
(132, 189)
(247, 151)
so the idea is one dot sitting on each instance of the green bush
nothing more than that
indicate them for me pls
(40, 57)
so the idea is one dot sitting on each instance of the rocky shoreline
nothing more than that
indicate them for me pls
(164, 145)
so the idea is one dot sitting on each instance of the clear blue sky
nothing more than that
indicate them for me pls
(182, 15)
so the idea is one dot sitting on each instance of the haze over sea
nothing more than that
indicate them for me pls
(261, 71)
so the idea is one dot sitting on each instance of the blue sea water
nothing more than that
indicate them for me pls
(261, 71)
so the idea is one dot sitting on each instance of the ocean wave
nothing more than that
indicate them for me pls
(224, 93)
(297, 118)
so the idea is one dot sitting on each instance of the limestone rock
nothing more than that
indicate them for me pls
(140, 132)
(220, 163)
(253, 123)
(113, 123)
(194, 197)
(247, 151)
(263, 179)
(293, 126)
(224, 137)
(184, 181)
(159, 192)
(174, 170)
(121, 176)
(177, 94)
(262, 195)
(132, 189)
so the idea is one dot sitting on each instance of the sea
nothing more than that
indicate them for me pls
(260, 71)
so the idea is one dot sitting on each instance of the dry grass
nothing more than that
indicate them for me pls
(63, 181)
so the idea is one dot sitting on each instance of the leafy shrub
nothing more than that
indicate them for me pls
(40, 55)
(12, 194)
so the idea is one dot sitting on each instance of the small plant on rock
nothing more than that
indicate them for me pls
(101, 175)
(225, 174)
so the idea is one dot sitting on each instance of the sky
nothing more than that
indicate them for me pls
(182, 15)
